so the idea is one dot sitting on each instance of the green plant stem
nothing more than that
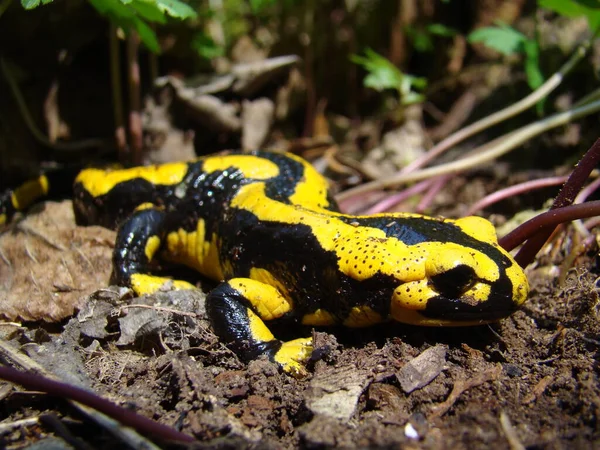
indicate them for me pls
(592, 96)
(552, 83)
(483, 154)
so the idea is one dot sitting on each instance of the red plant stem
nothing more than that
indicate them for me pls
(436, 186)
(390, 201)
(548, 220)
(117, 95)
(142, 424)
(514, 190)
(565, 197)
(135, 103)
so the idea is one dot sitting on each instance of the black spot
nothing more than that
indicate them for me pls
(454, 282)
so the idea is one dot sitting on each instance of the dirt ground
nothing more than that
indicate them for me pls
(529, 381)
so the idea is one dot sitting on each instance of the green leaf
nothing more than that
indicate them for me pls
(535, 77)
(30, 4)
(411, 98)
(206, 46)
(569, 8)
(441, 30)
(382, 73)
(385, 75)
(126, 17)
(113, 9)
(258, 6)
(422, 42)
(148, 11)
(176, 8)
(590, 9)
(146, 34)
(503, 39)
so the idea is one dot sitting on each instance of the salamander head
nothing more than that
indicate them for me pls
(467, 278)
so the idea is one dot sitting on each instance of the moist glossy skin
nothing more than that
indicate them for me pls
(265, 225)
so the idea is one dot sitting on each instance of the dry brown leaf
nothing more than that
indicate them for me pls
(49, 265)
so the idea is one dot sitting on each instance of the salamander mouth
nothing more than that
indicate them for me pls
(465, 310)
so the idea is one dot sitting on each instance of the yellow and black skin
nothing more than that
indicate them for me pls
(264, 225)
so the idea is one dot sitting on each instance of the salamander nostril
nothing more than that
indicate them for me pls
(454, 282)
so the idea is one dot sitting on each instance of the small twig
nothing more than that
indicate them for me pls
(11, 324)
(510, 433)
(7, 427)
(538, 390)
(461, 386)
(159, 308)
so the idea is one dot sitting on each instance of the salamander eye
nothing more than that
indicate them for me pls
(454, 282)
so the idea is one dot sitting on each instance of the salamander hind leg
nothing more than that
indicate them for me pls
(238, 309)
(138, 240)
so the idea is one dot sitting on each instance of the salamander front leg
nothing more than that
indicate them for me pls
(138, 240)
(237, 310)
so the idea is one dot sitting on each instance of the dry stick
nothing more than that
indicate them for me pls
(516, 108)
(483, 154)
(6, 427)
(461, 386)
(565, 197)
(510, 433)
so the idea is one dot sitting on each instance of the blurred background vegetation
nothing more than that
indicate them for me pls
(85, 69)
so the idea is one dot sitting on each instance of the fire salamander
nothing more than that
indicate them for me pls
(265, 226)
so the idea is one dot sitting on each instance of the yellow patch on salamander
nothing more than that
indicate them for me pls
(99, 182)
